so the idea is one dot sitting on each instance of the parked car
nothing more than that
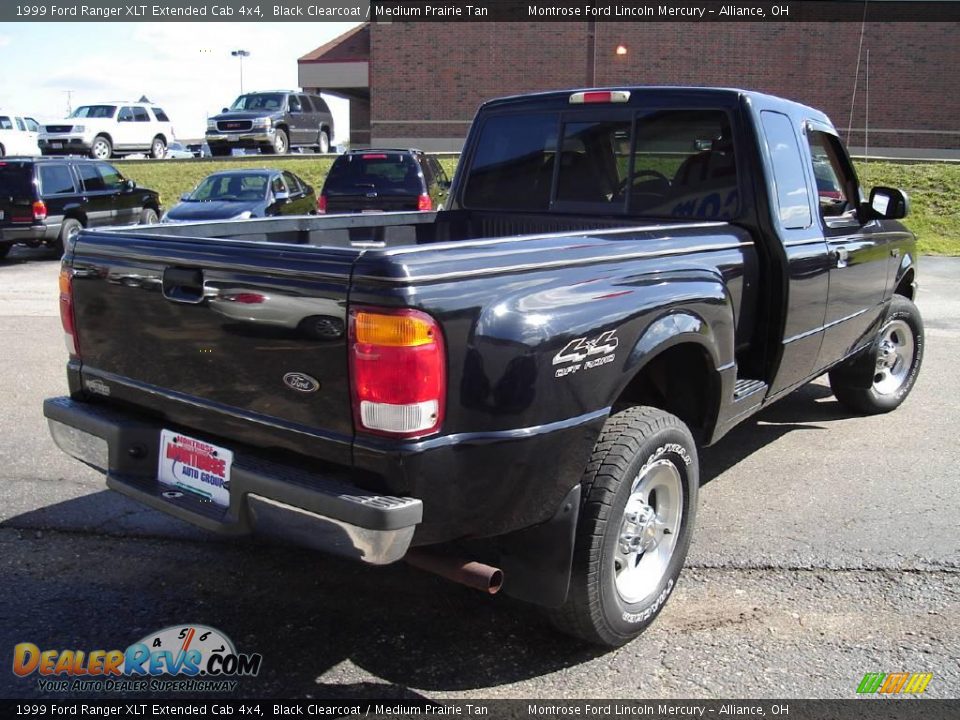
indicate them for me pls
(242, 194)
(367, 180)
(274, 122)
(47, 201)
(109, 129)
(178, 151)
(521, 384)
(18, 135)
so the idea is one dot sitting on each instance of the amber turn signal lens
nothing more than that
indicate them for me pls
(393, 330)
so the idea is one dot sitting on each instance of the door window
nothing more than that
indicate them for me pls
(20, 125)
(125, 115)
(5, 123)
(112, 179)
(305, 103)
(293, 184)
(32, 125)
(277, 185)
(837, 190)
(791, 183)
(92, 180)
(140, 115)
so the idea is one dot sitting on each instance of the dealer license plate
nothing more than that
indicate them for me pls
(196, 467)
(56, 146)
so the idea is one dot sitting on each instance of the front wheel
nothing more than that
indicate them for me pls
(280, 144)
(639, 498)
(101, 149)
(148, 216)
(879, 379)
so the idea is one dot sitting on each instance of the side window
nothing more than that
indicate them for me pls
(791, 183)
(125, 114)
(92, 180)
(112, 179)
(427, 168)
(140, 115)
(305, 103)
(277, 186)
(160, 115)
(319, 104)
(836, 181)
(293, 104)
(56, 179)
(20, 125)
(5, 123)
(32, 125)
(438, 171)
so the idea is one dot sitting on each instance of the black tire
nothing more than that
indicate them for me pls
(879, 379)
(148, 216)
(101, 148)
(158, 148)
(3, 151)
(218, 151)
(324, 146)
(4, 250)
(69, 228)
(634, 445)
(281, 144)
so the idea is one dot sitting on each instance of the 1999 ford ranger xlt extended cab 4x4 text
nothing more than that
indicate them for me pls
(521, 380)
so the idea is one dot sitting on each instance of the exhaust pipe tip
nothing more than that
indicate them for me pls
(479, 576)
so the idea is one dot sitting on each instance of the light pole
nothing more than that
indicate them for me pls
(240, 54)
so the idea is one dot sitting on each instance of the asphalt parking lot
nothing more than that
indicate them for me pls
(828, 546)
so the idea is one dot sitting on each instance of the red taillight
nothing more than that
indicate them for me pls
(398, 372)
(424, 202)
(67, 318)
(376, 156)
(321, 203)
(39, 210)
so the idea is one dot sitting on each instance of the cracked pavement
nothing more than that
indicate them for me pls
(827, 547)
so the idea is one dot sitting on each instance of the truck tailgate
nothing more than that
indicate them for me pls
(214, 334)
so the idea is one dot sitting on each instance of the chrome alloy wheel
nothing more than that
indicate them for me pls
(648, 531)
(894, 357)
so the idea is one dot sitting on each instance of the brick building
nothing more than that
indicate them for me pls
(416, 84)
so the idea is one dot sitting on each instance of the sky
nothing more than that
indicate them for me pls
(185, 68)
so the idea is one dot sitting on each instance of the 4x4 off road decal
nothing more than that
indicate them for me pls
(586, 353)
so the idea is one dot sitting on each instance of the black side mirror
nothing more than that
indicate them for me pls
(185, 197)
(223, 110)
(889, 203)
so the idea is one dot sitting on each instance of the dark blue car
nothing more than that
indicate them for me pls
(242, 194)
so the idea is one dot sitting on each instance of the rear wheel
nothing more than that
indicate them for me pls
(636, 519)
(324, 142)
(148, 216)
(879, 379)
(4, 249)
(68, 231)
(101, 149)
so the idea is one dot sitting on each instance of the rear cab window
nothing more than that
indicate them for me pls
(676, 164)
(793, 205)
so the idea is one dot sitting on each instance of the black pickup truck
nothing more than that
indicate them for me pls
(511, 391)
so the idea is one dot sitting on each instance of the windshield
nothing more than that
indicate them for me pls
(94, 111)
(258, 101)
(230, 187)
(667, 164)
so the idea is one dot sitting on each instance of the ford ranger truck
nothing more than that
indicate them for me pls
(511, 391)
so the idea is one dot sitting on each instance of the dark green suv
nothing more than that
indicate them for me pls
(45, 201)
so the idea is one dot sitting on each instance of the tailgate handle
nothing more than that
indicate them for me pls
(183, 285)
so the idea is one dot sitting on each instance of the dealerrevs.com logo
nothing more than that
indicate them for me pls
(180, 658)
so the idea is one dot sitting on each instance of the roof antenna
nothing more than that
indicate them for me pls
(856, 75)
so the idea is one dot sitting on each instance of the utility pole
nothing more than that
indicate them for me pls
(69, 101)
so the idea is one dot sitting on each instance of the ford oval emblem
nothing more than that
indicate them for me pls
(301, 382)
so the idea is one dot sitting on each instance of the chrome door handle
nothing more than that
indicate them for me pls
(842, 255)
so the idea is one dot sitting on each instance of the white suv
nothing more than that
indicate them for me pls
(18, 135)
(109, 129)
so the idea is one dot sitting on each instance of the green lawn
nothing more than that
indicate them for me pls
(934, 188)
